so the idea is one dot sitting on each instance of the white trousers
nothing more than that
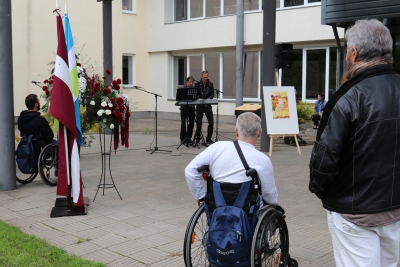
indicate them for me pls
(355, 245)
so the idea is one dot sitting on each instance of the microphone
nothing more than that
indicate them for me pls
(218, 91)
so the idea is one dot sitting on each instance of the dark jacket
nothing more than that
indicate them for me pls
(205, 91)
(30, 122)
(355, 162)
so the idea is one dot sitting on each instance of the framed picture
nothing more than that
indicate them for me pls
(280, 110)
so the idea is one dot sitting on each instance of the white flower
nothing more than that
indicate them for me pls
(110, 105)
(108, 112)
(92, 103)
(82, 84)
(112, 126)
(100, 112)
(103, 104)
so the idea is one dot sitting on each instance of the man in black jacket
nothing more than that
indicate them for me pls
(355, 162)
(30, 122)
(205, 91)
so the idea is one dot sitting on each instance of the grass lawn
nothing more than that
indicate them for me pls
(20, 249)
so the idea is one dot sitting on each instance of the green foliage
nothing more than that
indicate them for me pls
(148, 131)
(304, 111)
(20, 249)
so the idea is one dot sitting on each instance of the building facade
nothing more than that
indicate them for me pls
(157, 44)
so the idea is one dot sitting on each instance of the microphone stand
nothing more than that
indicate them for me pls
(216, 131)
(155, 149)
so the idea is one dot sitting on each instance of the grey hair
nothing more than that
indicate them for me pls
(371, 39)
(248, 125)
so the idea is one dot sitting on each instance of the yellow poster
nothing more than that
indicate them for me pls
(280, 105)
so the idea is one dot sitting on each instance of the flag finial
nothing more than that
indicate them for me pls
(57, 5)
(66, 9)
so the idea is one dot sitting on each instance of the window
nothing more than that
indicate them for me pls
(127, 70)
(180, 70)
(213, 8)
(250, 77)
(213, 68)
(293, 3)
(196, 8)
(229, 75)
(128, 6)
(315, 72)
(250, 5)
(180, 10)
(294, 76)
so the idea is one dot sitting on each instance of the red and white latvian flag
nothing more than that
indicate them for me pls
(62, 108)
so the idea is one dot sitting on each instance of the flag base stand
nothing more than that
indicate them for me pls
(62, 201)
(65, 211)
(102, 183)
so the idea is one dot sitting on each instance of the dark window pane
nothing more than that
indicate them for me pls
(180, 10)
(333, 63)
(213, 8)
(251, 5)
(180, 72)
(289, 3)
(229, 74)
(229, 7)
(196, 8)
(294, 76)
(212, 66)
(127, 70)
(316, 71)
(313, 1)
(127, 5)
(196, 66)
(250, 81)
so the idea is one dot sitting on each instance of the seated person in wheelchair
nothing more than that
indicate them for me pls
(30, 122)
(227, 168)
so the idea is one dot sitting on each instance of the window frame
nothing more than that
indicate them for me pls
(132, 71)
(133, 11)
(306, 4)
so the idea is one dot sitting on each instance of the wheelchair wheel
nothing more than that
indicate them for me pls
(23, 178)
(194, 244)
(48, 164)
(270, 246)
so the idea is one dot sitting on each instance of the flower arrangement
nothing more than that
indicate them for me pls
(103, 106)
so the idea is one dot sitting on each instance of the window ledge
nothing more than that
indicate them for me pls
(128, 12)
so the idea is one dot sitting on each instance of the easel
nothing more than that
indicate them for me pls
(273, 136)
(271, 144)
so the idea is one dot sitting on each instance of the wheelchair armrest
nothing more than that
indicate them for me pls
(203, 168)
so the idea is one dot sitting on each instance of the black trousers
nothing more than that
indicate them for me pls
(187, 112)
(315, 118)
(200, 110)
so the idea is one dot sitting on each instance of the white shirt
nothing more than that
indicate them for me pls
(226, 167)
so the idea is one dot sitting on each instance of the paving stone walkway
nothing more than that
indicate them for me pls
(147, 227)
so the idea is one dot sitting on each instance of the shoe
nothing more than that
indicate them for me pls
(209, 141)
(196, 143)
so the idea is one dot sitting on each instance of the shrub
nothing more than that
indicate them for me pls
(304, 111)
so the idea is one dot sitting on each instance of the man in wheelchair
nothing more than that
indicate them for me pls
(30, 122)
(228, 169)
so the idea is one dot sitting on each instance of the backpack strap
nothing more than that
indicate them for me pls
(239, 150)
(242, 196)
(218, 197)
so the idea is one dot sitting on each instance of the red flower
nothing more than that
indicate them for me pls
(128, 114)
(47, 92)
(44, 87)
(96, 89)
(108, 71)
(51, 82)
(111, 99)
(46, 81)
(106, 91)
(78, 64)
(117, 87)
(97, 84)
(121, 108)
(118, 115)
(120, 100)
(114, 83)
(104, 77)
(119, 81)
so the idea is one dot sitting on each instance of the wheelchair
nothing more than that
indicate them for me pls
(270, 243)
(47, 167)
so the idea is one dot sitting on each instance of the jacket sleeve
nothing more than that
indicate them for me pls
(46, 131)
(328, 150)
